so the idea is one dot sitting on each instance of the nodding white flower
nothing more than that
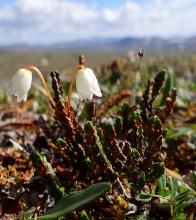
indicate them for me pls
(21, 83)
(87, 84)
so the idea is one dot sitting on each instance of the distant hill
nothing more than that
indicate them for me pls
(153, 45)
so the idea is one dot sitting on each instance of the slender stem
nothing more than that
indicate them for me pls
(38, 72)
(140, 73)
(73, 78)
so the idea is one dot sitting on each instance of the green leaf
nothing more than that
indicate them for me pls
(161, 187)
(143, 197)
(183, 200)
(181, 216)
(182, 197)
(161, 183)
(141, 217)
(76, 200)
(173, 184)
(184, 187)
(164, 193)
(170, 83)
(27, 215)
(177, 133)
(83, 215)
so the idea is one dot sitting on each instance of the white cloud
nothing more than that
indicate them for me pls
(47, 21)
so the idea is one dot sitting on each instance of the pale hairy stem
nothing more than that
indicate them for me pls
(34, 69)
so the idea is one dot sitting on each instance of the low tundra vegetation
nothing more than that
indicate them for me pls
(122, 148)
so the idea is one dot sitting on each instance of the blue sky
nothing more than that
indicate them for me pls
(107, 3)
(4, 2)
(50, 21)
(99, 3)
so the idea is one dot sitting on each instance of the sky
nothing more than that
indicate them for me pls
(51, 21)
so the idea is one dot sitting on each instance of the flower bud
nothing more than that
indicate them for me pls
(21, 84)
(87, 84)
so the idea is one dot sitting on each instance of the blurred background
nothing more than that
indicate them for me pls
(52, 33)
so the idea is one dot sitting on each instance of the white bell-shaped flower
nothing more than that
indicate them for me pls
(87, 84)
(21, 84)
